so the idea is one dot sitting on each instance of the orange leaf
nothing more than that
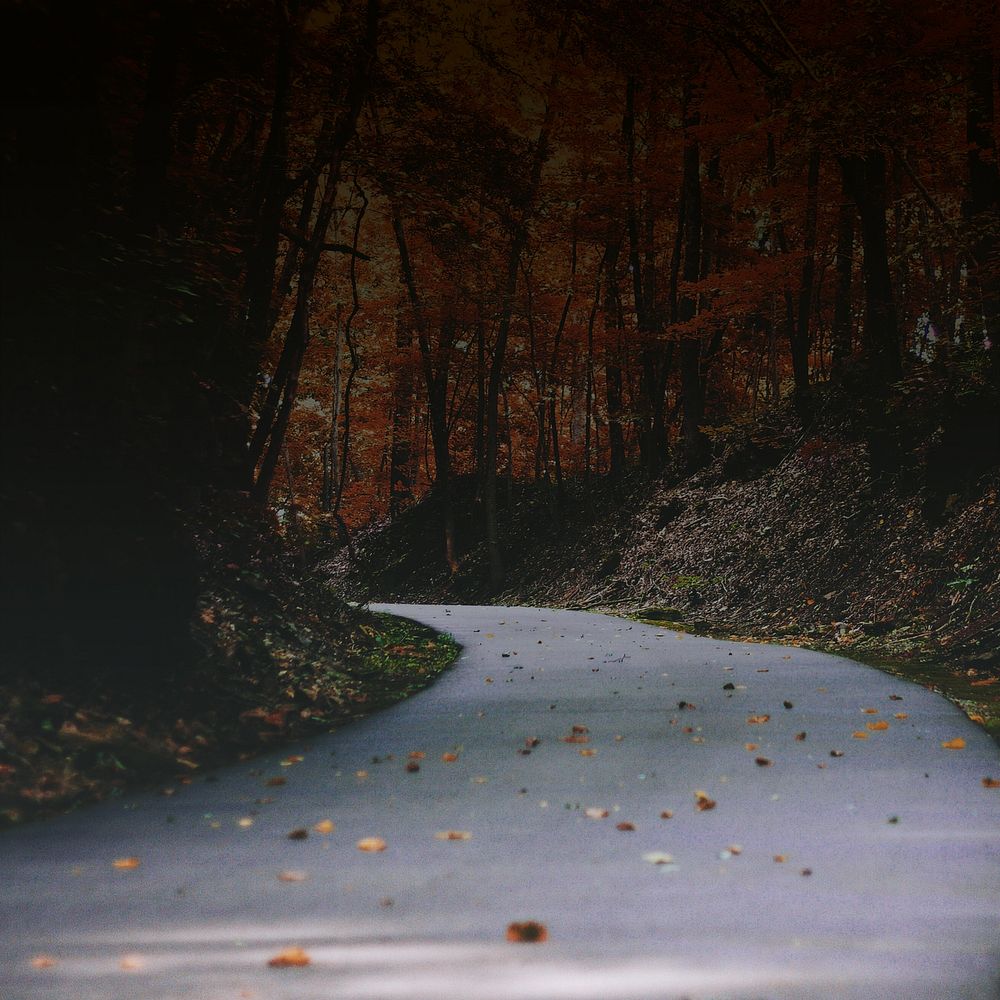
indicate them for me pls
(587, 752)
(527, 932)
(901, 715)
(289, 958)
(956, 744)
(449, 758)
(758, 720)
(625, 827)
(453, 835)
(371, 844)
(878, 726)
(702, 802)
(860, 735)
(43, 962)
(991, 783)
(125, 863)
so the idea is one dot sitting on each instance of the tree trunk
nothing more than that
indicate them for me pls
(692, 392)
(614, 320)
(802, 340)
(865, 180)
(401, 451)
(842, 295)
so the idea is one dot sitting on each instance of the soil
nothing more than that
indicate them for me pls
(784, 537)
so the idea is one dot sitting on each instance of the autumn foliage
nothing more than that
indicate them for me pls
(324, 258)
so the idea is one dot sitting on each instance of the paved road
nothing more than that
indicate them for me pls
(829, 866)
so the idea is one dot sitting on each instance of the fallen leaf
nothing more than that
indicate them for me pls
(371, 844)
(587, 752)
(453, 835)
(416, 755)
(800, 737)
(532, 741)
(449, 757)
(702, 802)
(580, 730)
(956, 744)
(901, 715)
(595, 812)
(625, 827)
(991, 783)
(806, 872)
(658, 858)
(125, 863)
(764, 762)
(576, 738)
(666, 814)
(788, 704)
(245, 821)
(275, 782)
(750, 747)
(870, 711)
(324, 826)
(489, 635)
(780, 858)
(300, 833)
(131, 963)
(289, 958)
(43, 962)
(860, 735)
(294, 759)
(878, 726)
(527, 932)
(758, 720)
(292, 876)
(836, 753)
(412, 767)
(976, 684)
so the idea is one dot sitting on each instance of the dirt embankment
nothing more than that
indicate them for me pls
(790, 538)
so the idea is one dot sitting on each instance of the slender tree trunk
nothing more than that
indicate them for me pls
(400, 453)
(841, 334)
(518, 243)
(802, 339)
(614, 321)
(692, 393)
(865, 179)
(982, 206)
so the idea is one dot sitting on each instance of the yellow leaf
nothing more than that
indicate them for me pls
(371, 844)
(324, 826)
(125, 863)
(860, 735)
(878, 726)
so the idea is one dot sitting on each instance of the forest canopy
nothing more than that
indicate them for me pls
(313, 260)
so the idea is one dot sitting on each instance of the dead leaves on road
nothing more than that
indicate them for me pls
(527, 932)
(290, 958)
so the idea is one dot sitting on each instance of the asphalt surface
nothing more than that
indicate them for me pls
(755, 845)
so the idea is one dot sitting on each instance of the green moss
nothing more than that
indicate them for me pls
(405, 658)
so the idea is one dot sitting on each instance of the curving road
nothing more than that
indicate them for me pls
(847, 854)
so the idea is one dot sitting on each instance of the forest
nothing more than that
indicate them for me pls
(277, 272)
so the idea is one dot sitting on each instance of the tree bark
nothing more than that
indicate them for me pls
(865, 180)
